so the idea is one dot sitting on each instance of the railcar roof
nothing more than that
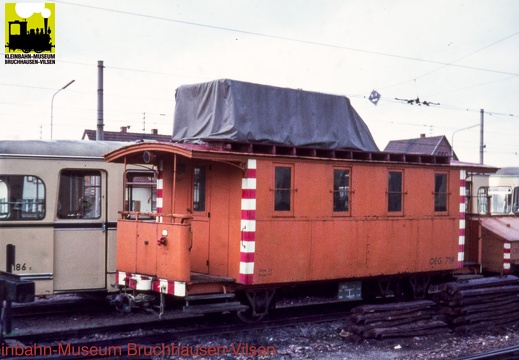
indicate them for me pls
(58, 148)
(478, 168)
(232, 151)
(508, 171)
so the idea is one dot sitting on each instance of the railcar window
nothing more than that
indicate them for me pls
(501, 197)
(394, 191)
(483, 200)
(79, 195)
(515, 206)
(440, 192)
(283, 188)
(468, 197)
(22, 197)
(199, 188)
(141, 194)
(341, 190)
(4, 206)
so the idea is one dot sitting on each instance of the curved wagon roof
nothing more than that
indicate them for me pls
(77, 149)
(235, 151)
(239, 152)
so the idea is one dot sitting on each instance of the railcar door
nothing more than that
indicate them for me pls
(80, 231)
(200, 222)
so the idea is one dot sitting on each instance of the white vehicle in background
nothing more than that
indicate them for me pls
(59, 203)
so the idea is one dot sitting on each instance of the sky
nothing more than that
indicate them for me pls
(458, 56)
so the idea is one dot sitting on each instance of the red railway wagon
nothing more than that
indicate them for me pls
(252, 218)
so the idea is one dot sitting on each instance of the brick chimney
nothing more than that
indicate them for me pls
(124, 129)
(154, 131)
(422, 136)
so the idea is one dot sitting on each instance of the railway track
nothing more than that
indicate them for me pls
(61, 306)
(159, 336)
(509, 353)
(131, 339)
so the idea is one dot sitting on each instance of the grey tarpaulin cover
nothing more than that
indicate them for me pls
(229, 110)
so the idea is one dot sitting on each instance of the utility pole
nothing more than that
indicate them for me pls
(481, 140)
(100, 135)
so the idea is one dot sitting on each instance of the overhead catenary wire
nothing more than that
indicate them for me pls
(136, 113)
(443, 64)
(278, 37)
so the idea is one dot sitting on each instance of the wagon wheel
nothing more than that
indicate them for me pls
(38, 51)
(26, 50)
(259, 302)
(123, 303)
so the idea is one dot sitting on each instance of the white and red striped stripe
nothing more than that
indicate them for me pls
(248, 224)
(506, 257)
(147, 283)
(160, 187)
(461, 237)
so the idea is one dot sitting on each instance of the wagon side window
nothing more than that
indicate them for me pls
(515, 203)
(283, 188)
(483, 200)
(79, 195)
(141, 194)
(394, 191)
(501, 197)
(341, 190)
(22, 197)
(468, 197)
(440, 192)
(199, 188)
(4, 205)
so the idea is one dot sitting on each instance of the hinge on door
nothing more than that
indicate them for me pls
(207, 263)
(208, 214)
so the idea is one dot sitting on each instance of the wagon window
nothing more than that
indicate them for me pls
(4, 206)
(483, 200)
(468, 197)
(341, 190)
(283, 188)
(394, 192)
(440, 192)
(199, 188)
(515, 203)
(501, 197)
(79, 195)
(141, 194)
(22, 197)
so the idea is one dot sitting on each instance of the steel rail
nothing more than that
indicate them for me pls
(159, 332)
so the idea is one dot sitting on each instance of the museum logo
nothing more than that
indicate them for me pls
(30, 33)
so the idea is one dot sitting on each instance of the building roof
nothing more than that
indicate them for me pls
(57, 148)
(505, 227)
(126, 136)
(434, 145)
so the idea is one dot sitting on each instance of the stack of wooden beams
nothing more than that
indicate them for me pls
(480, 303)
(414, 318)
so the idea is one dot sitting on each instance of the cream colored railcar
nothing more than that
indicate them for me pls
(59, 203)
(492, 221)
(494, 194)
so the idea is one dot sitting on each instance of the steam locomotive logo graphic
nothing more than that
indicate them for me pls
(29, 27)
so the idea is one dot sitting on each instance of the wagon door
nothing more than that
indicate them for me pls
(80, 231)
(200, 222)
